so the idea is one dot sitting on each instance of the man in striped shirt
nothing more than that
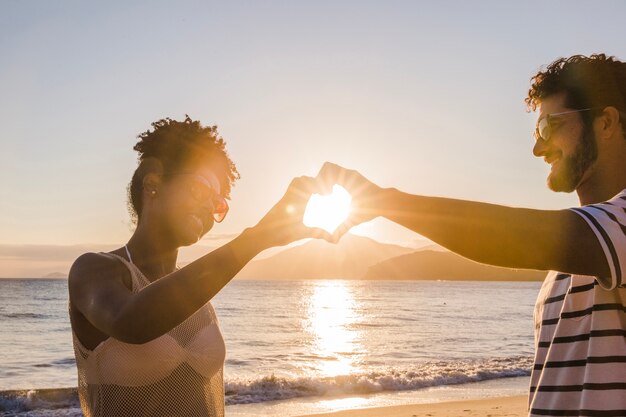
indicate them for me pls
(580, 320)
(580, 315)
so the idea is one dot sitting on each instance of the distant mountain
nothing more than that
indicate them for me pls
(317, 259)
(432, 247)
(428, 264)
(357, 257)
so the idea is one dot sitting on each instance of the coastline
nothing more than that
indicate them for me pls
(503, 395)
(515, 406)
(56, 402)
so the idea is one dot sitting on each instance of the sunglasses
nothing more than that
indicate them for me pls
(545, 128)
(202, 190)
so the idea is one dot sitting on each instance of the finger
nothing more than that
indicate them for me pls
(299, 231)
(343, 228)
(329, 168)
(340, 232)
(299, 193)
(354, 182)
(351, 180)
(318, 233)
(336, 237)
(305, 185)
(328, 176)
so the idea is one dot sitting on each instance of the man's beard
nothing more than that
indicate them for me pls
(572, 168)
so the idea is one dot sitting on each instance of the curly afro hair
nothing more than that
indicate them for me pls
(595, 82)
(179, 145)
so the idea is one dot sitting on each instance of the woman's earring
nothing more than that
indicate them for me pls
(153, 193)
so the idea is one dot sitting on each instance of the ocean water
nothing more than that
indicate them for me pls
(300, 345)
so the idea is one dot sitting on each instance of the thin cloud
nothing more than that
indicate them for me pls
(49, 252)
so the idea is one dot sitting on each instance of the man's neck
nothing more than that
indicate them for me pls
(597, 189)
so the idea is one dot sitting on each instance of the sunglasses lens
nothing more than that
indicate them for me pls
(543, 130)
(204, 193)
(220, 209)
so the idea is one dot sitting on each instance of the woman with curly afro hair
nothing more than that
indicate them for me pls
(146, 338)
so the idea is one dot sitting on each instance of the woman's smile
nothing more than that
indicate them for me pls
(198, 223)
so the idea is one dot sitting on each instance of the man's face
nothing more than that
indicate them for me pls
(571, 148)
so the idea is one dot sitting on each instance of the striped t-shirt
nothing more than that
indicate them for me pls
(580, 329)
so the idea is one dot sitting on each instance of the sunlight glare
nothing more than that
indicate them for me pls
(328, 211)
(343, 403)
(332, 313)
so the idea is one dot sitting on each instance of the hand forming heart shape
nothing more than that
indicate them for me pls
(328, 211)
(354, 200)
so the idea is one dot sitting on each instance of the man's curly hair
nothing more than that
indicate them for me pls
(180, 146)
(594, 82)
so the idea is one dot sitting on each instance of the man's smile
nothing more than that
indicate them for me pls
(552, 158)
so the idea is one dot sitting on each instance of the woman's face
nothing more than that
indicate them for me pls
(190, 199)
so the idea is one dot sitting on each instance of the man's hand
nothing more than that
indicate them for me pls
(367, 198)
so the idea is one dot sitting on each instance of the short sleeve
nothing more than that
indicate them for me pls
(608, 222)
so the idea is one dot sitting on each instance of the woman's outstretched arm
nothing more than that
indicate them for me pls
(98, 292)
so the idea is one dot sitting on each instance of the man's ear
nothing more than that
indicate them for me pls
(608, 123)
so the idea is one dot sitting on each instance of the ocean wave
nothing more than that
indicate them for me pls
(272, 387)
(24, 316)
(48, 399)
(65, 362)
(70, 361)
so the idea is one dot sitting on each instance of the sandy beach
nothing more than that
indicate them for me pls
(515, 406)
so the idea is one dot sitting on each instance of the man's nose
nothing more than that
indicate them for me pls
(539, 148)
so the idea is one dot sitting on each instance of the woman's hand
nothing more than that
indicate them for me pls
(283, 223)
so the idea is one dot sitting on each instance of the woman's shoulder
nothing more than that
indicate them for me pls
(97, 266)
(94, 261)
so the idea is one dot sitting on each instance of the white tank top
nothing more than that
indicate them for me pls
(177, 374)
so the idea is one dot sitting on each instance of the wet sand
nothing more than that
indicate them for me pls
(489, 407)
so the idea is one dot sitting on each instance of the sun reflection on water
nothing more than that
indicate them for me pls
(332, 313)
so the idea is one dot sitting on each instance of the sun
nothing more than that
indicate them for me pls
(328, 211)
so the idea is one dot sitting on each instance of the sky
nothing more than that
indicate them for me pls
(423, 96)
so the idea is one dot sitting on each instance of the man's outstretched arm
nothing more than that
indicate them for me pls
(499, 235)
(487, 233)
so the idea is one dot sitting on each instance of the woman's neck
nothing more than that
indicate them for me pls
(154, 257)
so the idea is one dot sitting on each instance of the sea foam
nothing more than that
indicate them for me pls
(272, 387)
